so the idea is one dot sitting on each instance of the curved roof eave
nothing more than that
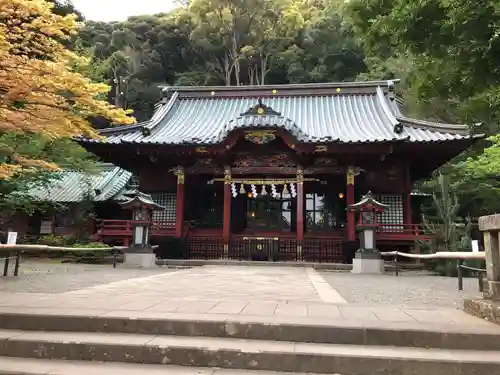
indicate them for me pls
(158, 116)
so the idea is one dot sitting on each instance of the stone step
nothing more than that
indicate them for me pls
(233, 353)
(24, 366)
(482, 336)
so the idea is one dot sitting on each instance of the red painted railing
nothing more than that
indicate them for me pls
(401, 232)
(123, 228)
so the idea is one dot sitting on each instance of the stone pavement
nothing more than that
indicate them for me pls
(277, 293)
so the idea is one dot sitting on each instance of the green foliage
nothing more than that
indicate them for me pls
(447, 54)
(68, 241)
(221, 42)
(90, 245)
(443, 224)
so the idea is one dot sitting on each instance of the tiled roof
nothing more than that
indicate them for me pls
(320, 113)
(71, 186)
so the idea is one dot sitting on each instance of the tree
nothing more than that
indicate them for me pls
(40, 93)
(453, 47)
(276, 26)
(326, 49)
(444, 221)
(220, 29)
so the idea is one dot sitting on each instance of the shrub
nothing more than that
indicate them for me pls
(55, 240)
(90, 245)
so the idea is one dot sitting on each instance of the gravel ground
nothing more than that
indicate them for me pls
(408, 289)
(56, 277)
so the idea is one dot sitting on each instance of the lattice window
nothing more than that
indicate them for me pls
(393, 214)
(167, 200)
(47, 226)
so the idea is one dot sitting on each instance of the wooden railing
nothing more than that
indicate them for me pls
(402, 232)
(108, 227)
(123, 228)
(266, 249)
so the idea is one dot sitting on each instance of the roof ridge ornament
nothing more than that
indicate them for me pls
(260, 109)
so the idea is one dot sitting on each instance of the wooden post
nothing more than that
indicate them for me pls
(179, 208)
(6, 265)
(300, 210)
(407, 208)
(18, 260)
(351, 215)
(490, 226)
(226, 226)
(460, 275)
(300, 203)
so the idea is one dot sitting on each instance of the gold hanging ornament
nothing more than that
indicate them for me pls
(285, 190)
(263, 191)
(242, 189)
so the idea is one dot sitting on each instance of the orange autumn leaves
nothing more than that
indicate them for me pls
(39, 91)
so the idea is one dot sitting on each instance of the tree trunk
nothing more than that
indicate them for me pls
(264, 61)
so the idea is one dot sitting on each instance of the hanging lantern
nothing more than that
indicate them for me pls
(242, 189)
(263, 191)
(285, 190)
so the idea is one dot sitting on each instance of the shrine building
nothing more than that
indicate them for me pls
(273, 168)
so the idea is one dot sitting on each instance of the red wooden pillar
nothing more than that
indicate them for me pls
(351, 215)
(226, 225)
(179, 211)
(300, 204)
(407, 208)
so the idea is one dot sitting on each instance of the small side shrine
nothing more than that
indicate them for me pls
(140, 253)
(368, 258)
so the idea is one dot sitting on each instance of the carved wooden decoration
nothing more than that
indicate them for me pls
(273, 160)
(201, 150)
(204, 166)
(325, 161)
(260, 110)
(251, 163)
(260, 137)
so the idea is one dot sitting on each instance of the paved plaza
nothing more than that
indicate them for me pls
(244, 291)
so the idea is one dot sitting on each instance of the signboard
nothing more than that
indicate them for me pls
(475, 246)
(11, 238)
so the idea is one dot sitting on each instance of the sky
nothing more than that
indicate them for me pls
(119, 10)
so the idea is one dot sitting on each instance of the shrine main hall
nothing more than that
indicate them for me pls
(268, 172)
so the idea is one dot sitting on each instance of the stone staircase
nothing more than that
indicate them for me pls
(52, 343)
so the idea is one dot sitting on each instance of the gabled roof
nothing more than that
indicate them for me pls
(357, 112)
(72, 186)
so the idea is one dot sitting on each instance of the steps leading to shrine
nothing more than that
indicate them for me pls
(328, 331)
(203, 342)
(233, 353)
(23, 366)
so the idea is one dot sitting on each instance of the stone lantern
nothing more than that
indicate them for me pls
(368, 258)
(140, 253)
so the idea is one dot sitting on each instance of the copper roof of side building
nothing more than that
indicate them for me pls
(357, 112)
(109, 182)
